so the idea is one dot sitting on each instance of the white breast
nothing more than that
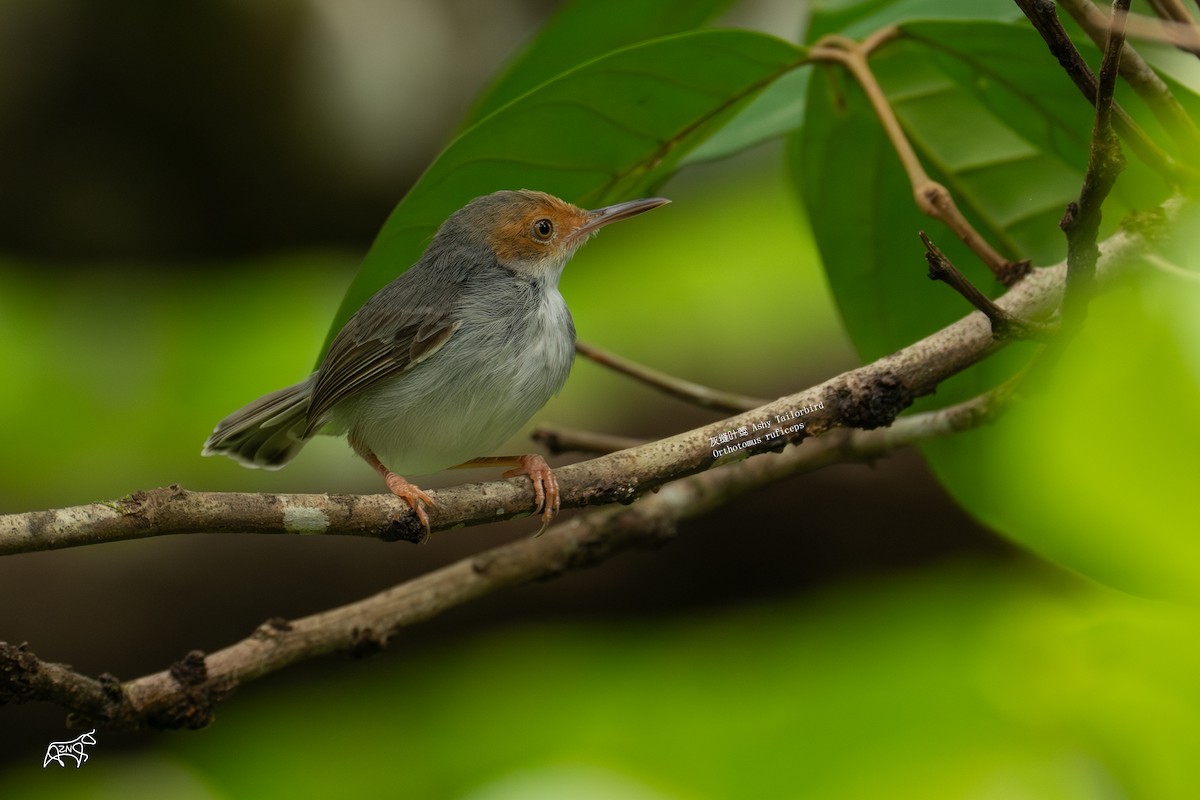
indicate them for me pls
(474, 393)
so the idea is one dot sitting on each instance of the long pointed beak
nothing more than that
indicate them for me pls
(630, 208)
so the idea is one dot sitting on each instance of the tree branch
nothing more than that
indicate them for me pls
(1044, 17)
(1004, 324)
(702, 396)
(1134, 69)
(868, 397)
(1175, 25)
(1081, 222)
(1172, 10)
(185, 694)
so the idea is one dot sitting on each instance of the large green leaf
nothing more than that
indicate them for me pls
(858, 18)
(779, 109)
(1094, 467)
(988, 118)
(993, 118)
(586, 29)
(613, 128)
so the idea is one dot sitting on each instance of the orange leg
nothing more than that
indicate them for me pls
(545, 485)
(408, 492)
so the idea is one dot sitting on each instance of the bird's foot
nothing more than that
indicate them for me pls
(545, 486)
(411, 494)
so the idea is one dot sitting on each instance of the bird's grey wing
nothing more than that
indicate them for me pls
(374, 347)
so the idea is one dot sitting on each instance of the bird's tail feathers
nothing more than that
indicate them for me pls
(267, 433)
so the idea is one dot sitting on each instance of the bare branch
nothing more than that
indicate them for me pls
(668, 384)
(868, 397)
(1081, 222)
(1176, 27)
(186, 694)
(1185, 36)
(1045, 19)
(1140, 77)
(1004, 325)
(1172, 10)
(1136, 72)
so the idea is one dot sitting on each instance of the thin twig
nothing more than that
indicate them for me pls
(1004, 324)
(185, 695)
(1081, 222)
(700, 395)
(1045, 19)
(1110, 66)
(1175, 26)
(1172, 10)
(931, 197)
(1137, 73)
(1186, 37)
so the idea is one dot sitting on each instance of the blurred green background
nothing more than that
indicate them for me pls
(188, 189)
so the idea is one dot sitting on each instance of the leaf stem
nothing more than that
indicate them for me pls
(931, 197)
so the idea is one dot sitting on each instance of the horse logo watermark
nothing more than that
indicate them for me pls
(57, 751)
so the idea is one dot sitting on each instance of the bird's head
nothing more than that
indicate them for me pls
(534, 233)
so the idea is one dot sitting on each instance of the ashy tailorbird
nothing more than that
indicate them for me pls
(449, 360)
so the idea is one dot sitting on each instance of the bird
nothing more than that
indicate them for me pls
(447, 361)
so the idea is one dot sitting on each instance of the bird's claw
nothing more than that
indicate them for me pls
(414, 497)
(545, 487)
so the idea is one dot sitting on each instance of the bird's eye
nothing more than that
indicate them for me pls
(543, 229)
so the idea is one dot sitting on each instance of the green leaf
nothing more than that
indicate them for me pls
(613, 128)
(584, 30)
(990, 116)
(1094, 467)
(779, 109)
(859, 18)
(993, 118)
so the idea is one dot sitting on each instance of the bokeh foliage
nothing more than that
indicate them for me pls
(1013, 157)
(965, 681)
(962, 681)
